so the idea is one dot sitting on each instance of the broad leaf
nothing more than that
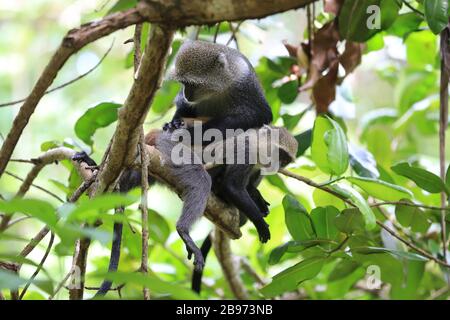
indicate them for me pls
(360, 20)
(290, 278)
(424, 179)
(350, 221)
(288, 92)
(39, 209)
(329, 146)
(380, 189)
(363, 162)
(297, 219)
(100, 116)
(343, 269)
(304, 140)
(323, 222)
(360, 202)
(413, 217)
(436, 14)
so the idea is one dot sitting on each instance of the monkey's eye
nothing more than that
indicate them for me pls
(189, 91)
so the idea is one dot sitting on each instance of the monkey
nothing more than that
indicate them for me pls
(286, 149)
(220, 88)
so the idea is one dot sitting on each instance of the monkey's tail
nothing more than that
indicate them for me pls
(115, 255)
(197, 275)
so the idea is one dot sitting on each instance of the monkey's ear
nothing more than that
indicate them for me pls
(222, 60)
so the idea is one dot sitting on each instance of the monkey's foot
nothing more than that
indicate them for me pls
(173, 125)
(263, 231)
(192, 249)
(264, 208)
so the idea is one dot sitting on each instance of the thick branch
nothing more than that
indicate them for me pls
(132, 114)
(230, 265)
(182, 13)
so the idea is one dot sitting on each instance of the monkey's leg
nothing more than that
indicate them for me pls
(254, 193)
(196, 184)
(237, 194)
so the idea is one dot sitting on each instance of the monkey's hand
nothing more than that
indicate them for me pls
(263, 231)
(192, 249)
(173, 125)
(83, 157)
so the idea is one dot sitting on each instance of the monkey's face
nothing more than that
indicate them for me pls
(205, 69)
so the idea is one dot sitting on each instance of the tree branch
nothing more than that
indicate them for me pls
(229, 263)
(182, 13)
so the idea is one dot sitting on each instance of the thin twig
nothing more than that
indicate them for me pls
(40, 266)
(234, 32)
(65, 84)
(413, 9)
(408, 204)
(216, 33)
(443, 124)
(413, 246)
(36, 186)
(144, 211)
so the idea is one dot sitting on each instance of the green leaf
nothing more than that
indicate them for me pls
(90, 208)
(329, 146)
(358, 19)
(421, 51)
(323, 222)
(322, 199)
(337, 154)
(158, 227)
(436, 14)
(39, 209)
(297, 219)
(422, 178)
(405, 25)
(100, 116)
(409, 289)
(413, 217)
(295, 247)
(290, 278)
(380, 189)
(350, 221)
(154, 284)
(304, 140)
(395, 253)
(288, 92)
(10, 280)
(122, 5)
(360, 202)
(363, 162)
(165, 96)
(343, 269)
